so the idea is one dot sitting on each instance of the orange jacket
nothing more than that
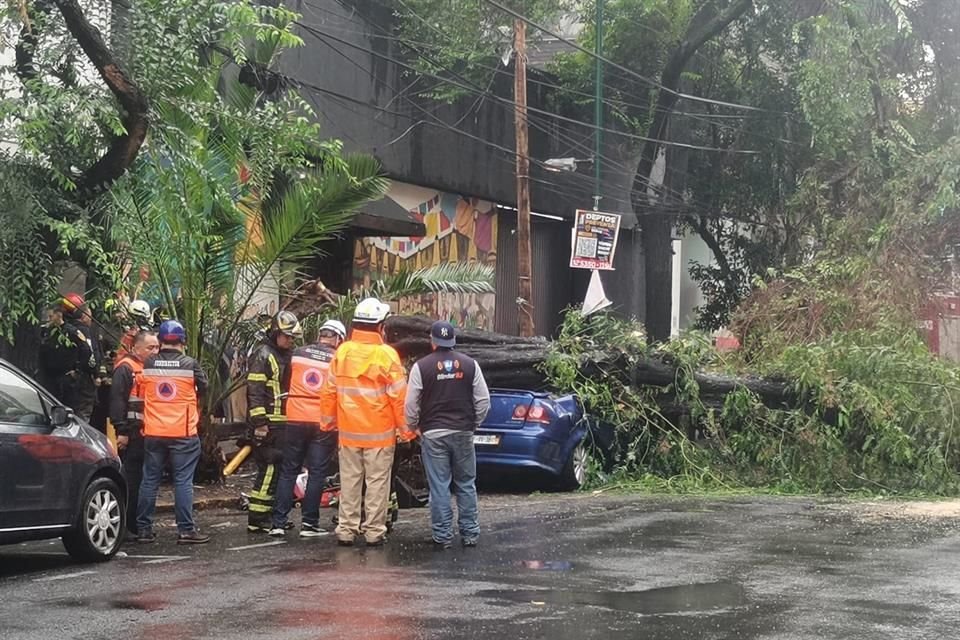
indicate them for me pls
(364, 393)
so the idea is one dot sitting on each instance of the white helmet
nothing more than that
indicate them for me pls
(371, 311)
(336, 326)
(140, 309)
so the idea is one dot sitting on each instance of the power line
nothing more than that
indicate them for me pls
(679, 207)
(631, 136)
(627, 70)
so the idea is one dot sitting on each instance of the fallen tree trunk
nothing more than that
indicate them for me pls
(512, 362)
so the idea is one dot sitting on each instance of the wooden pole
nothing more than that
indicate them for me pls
(524, 260)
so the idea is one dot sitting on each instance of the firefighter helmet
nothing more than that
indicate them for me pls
(140, 309)
(286, 323)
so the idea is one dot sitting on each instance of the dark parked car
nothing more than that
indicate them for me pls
(539, 431)
(59, 477)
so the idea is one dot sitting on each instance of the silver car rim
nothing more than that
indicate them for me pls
(580, 464)
(103, 521)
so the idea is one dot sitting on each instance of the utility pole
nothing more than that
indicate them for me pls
(598, 107)
(524, 260)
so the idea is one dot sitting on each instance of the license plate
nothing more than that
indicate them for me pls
(494, 440)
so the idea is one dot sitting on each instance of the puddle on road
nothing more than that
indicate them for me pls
(691, 598)
(126, 604)
(546, 565)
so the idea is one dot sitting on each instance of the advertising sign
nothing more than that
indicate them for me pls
(594, 240)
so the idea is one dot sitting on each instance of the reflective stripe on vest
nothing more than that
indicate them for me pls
(135, 399)
(307, 376)
(170, 403)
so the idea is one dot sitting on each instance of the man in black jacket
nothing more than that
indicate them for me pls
(66, 358)
(267, 384)
(447, 399)
(126, 414)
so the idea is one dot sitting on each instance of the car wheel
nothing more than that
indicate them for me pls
(99, 529)
(574, 473)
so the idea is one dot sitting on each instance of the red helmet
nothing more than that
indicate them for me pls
(72, 302)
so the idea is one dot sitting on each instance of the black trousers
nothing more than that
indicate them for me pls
(268, 457)
(132, 459)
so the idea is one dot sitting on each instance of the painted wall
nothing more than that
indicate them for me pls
(459, 229)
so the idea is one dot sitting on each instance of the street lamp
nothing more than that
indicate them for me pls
(565, 164)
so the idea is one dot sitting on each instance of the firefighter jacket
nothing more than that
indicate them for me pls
(364, 393)
(267, 381)
(65, 349)
(172, 385)
(126, 397)
(308, 372)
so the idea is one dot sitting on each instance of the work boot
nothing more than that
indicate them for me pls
(311, 531)
(193, 537)
(379, 542)
(255, 528)
(146, 537)
(346, 542)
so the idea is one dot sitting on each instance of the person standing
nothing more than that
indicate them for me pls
(304, 443)
(76, 311)
(363, 398)
(172, 384)
(268, 380)
(447, 399)
(64, 357)
(126, 414)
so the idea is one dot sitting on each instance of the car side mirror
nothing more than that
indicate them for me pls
(60, 416)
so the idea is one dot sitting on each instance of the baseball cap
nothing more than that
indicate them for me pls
(443, 334)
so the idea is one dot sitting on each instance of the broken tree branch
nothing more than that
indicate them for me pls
(123, 150)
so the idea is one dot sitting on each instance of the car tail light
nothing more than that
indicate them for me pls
(537, 412)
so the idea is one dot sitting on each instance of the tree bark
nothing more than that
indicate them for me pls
(514, 363)
(656, 228)
(123, 150)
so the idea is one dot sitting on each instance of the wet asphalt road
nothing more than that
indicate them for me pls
(556, 566)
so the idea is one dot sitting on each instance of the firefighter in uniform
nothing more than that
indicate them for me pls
(304, 444)
(267, 382)
(172, 384)
(126, 414)
(363, 398)
(64, 357)
(85, 382)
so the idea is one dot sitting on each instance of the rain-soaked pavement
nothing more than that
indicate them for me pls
(557, 567)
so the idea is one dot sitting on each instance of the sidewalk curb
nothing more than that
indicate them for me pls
(203, 504)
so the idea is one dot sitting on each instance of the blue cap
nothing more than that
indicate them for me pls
(443, 334)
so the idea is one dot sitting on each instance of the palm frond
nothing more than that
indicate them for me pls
(455, 277)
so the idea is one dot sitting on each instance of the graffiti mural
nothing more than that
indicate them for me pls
(458, 229)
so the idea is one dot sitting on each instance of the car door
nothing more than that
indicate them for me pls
(35, 473)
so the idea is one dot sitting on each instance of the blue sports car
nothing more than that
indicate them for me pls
(539, 431)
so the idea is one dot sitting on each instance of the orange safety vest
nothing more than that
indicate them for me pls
(170, 400)
(135, 400)
(364, 393)
(308, 373)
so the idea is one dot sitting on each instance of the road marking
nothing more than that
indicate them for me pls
(258, 546)
(167, 559)
(65, 576)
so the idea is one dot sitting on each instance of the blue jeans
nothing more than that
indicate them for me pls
(452, 460)
(303, 446)
(184, 454)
